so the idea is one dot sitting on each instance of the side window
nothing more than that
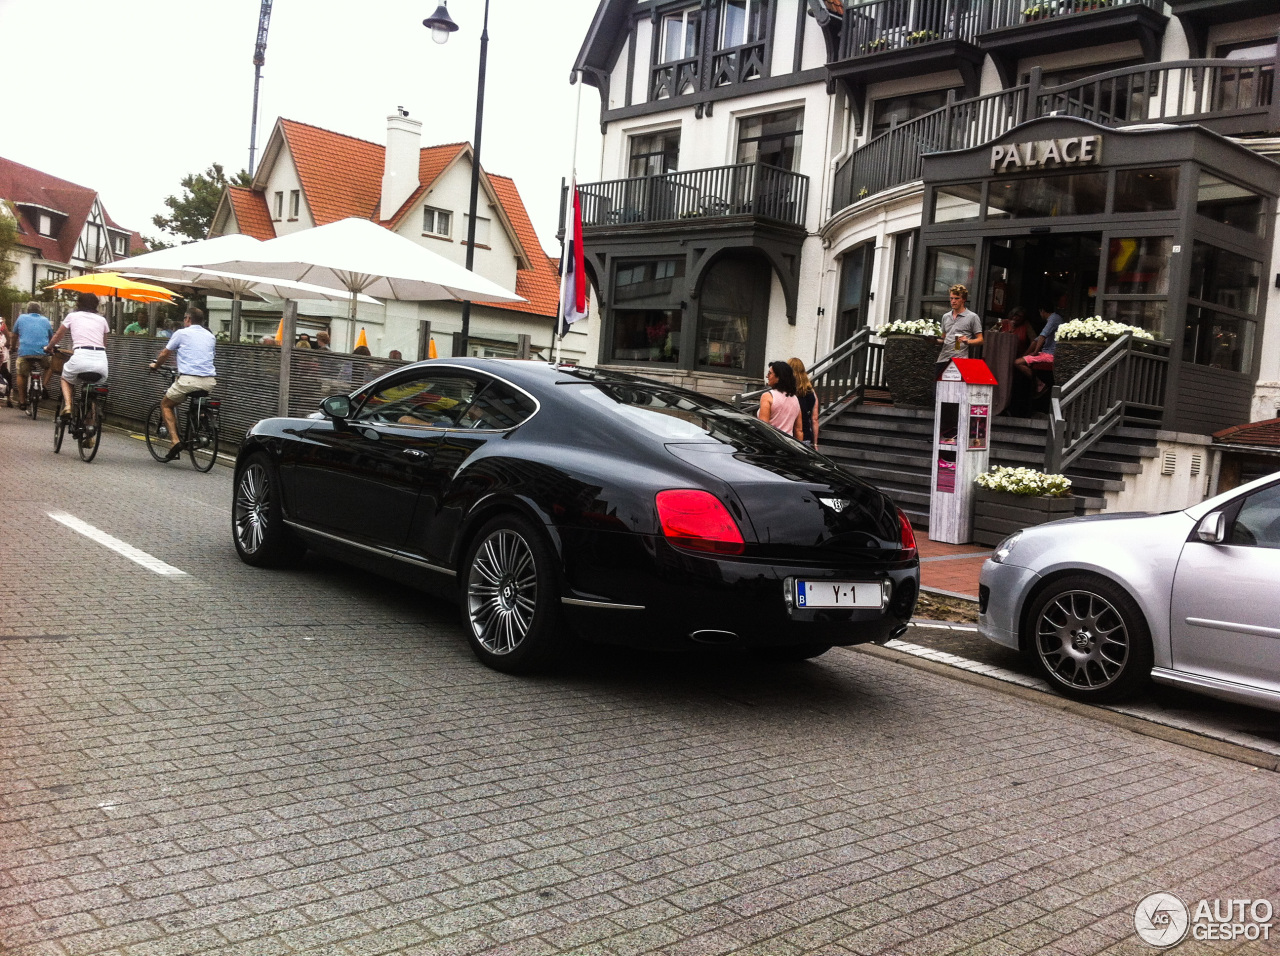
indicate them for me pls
(497, 405)
(1257, 524)
(429, 399)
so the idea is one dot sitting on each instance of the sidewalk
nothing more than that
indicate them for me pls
(950, 568)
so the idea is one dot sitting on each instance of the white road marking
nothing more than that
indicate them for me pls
(115, 544)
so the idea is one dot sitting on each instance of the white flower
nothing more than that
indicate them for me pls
(910, 327)
(1098, 329)
(1025, 481)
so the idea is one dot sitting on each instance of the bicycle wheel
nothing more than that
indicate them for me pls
(202, 444)
(33, 396)
(59, 427)
(90, 436)
(157, 433)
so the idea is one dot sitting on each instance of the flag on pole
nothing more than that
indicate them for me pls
(573, 284)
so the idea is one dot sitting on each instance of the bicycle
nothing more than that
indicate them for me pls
(35, 384)
(198, 427)
(85, 422)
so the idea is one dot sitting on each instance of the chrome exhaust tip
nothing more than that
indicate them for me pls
(720, 638)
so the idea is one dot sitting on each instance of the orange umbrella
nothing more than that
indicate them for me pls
(280, 333)
(111, 283)
(361, 340)
(431, 349)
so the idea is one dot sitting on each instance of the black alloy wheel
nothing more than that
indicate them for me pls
(1090, 639)
(257, 517)
(511, 596)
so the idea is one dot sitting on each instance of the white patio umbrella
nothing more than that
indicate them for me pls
(359, 256)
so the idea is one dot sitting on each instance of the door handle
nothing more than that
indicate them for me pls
(415, 453)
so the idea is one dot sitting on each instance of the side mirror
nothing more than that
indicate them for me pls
(1213, 528)
(337, 407)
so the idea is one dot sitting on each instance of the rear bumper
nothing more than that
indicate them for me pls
(645, 593)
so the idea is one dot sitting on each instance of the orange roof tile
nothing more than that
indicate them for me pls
(341, 175)
(1264, 434)
(541, 284)
(251, 212)
(432, 161)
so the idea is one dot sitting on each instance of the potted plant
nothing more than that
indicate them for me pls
(910, 356)
(922, 36)
(1080, 341)
(1040, 11)
(1008, 499)
(876, 45)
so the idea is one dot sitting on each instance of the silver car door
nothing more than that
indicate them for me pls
(1225, 612)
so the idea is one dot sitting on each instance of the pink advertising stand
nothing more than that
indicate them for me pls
(961, 447)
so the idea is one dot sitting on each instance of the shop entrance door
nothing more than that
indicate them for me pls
(1027, 271)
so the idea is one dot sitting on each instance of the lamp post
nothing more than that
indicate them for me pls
(441, 25)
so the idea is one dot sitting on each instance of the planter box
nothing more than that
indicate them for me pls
(910, 368)
(998, 514)
(1070, 357)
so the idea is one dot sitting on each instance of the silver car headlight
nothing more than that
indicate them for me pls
(1005, 547)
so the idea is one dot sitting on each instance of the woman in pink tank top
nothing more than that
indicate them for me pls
(779, 406)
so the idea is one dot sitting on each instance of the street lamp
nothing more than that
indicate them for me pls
(441, 25)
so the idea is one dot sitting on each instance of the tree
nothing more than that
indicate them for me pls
(191, 214)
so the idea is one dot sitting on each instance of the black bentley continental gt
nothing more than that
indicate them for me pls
(554, 500)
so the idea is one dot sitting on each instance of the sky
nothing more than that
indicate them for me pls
(127, 97)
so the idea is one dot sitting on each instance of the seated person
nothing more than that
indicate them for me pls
(1039, 356)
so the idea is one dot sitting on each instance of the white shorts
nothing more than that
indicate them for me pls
(85, 360)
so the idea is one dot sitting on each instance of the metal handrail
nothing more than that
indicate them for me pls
(840, 378)
(1128, 373)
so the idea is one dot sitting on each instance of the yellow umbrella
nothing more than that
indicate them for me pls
(361, 340)
(280, 333)
(110, 283)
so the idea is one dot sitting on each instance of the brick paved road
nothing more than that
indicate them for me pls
(244, 762)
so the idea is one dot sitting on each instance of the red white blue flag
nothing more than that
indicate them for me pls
(573, 282)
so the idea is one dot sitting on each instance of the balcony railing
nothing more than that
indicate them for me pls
(896, 24)
(1010, 13)
(1229, 96)
(841, 378)
(747, 189)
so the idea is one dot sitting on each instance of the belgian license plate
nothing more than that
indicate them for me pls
(837, 594)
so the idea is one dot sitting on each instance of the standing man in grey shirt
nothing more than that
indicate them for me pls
(194, 345)
(960, 329)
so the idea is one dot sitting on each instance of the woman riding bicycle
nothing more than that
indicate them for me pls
(194, 346)
(88, 333)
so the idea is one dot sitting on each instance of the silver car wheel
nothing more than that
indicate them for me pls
(502, 592)
(1082, 640)
(252, 507)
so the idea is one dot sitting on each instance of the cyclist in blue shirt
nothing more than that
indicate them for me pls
(31, 334)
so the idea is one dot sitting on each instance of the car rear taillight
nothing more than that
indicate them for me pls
(908, 536)
(698, 521)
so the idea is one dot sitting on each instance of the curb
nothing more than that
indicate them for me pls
(1173, 735)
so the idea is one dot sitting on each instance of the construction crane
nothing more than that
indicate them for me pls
(259, 57)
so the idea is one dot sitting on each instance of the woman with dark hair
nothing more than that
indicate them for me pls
(779, 406)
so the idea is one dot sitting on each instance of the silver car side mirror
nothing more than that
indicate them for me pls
(1213, 528)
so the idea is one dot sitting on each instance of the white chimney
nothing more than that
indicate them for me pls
(400, 168)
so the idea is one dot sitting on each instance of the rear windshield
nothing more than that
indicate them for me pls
(675, 415)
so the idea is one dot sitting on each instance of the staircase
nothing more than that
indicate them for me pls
(891, 448)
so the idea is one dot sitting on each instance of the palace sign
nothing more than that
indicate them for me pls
(1046, 153)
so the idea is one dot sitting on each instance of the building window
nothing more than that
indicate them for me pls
(437, 222)
(117, 245)
(277, 206)
(944, 266)
(1146, 190)
(482, 230)
(655, 154)
(1222, 305)
(295, 203)
(903, 247)
(733, 301)
(1034, 197)
(856, 268)
(772, 138)
(1229, 204)
(647, 320)
(741, 22)
(680, 35)
(1246, 86)
(896, 110)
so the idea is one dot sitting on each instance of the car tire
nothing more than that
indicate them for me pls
(510, 596)
(1089, 639)
(257, 517)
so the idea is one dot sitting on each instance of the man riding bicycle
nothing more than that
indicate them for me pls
(87, 330)
(194, 345)
(30, 335)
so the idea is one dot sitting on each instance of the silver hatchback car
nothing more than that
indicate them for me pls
(1190, 598)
